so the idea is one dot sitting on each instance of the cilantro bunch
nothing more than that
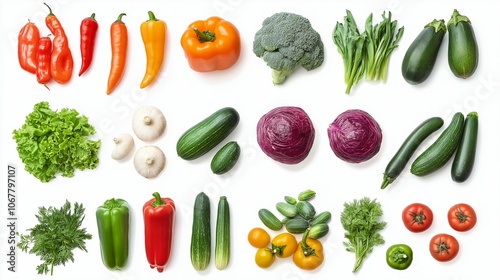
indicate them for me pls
(51, 142)
(362, 221)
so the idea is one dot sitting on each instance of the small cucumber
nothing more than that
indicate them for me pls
(463, 52)
(306, 195)
(286, 209)
(318, 231)
(422, 53)
(269, 219)
(200, 236)
(296, 225)
(290, 200)
(306, 210)
(440, 152)
(222, 234)
(463, 162)
(205, 135)
(408, 148)
(321, 218)
(225, 158)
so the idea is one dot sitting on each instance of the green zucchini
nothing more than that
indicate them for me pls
(201, 234)
(269, 219)
(306, 209)
(222, 234)
(318, 231)
(463, 162)
(408, 148)
(205, 135)
(422, 53)
(296, 225)
(463, 52)
(225, 158)
(440, 152)
(286, 209)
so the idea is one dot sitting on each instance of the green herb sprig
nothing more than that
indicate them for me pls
(362, 221)
(56, 235)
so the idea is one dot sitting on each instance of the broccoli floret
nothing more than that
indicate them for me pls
(285, 41)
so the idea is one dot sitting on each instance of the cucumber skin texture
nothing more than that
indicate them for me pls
(296, 225)
(201, 234)
(463, 162)
(269, 219)
(440, 152)
(222, 234)
(463, 52)
(421, 55)
(225, 159)
(208, 133)
(306, 210)
(318, 231)
(321, 218)
(399, 161)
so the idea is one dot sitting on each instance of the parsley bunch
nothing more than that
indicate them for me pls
(361, 220)
(55, 236)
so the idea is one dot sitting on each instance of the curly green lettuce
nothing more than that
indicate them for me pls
(51, 143)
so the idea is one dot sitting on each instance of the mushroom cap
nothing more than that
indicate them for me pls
(149, 161)
(148, 123)
(124, 144)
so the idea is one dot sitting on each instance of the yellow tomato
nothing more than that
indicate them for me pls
(258, 237)
(264, 257)
(284, 245)
(310, 255)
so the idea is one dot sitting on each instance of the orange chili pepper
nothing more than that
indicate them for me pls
(153, 32)
(119, 45)
(27, 45)
(212, 44)
(61, 66)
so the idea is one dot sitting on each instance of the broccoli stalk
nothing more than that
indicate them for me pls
(287, 41)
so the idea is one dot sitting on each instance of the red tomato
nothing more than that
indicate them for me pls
(443, 247)
(462, 217)
(417, 217)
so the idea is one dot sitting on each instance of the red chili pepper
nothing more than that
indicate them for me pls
(61, 66)
(27, 45)
(158, 229)
(88, 31)
(43, 56)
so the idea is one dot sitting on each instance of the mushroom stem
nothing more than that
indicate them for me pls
(116, 140)
(149, 161)
(147, 120)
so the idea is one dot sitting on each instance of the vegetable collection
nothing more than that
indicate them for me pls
(58, 142)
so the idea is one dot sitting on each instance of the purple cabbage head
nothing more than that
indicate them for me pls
(355, 136)
(286, 134)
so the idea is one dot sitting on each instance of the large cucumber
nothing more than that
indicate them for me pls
(205, 135)
(439, 152)
(421, 56)
(463, 162)
(200, 236)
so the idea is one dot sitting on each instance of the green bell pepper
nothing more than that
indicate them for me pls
(399, 256)
(113, 226)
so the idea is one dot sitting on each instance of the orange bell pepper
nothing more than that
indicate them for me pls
(212, 44)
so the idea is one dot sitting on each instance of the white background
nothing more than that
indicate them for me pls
(187, 97)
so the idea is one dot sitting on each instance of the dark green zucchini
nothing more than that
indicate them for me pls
(463, 52)
(421, 56)
(440, 152)
(463, 162)
(207, 134)
(408, 148)
(201, 233)
(225, 158)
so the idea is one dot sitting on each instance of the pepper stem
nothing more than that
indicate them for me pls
(306, 249)
(119, 19)
(92, 16)
(205, 36)
(152, 16)
(158, 201)
(50, 10)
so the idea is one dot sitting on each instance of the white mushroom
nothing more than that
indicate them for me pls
(124, 144)
(148, 123)
(149, 161)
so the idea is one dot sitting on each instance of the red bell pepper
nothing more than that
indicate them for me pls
(158, 230)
